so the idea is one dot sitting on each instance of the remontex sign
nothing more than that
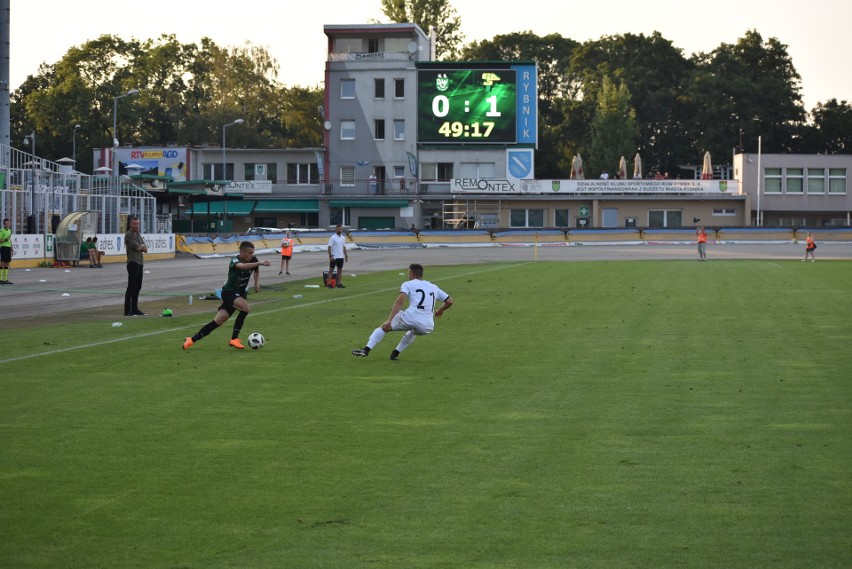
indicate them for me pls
(483, 186)
(249, 187)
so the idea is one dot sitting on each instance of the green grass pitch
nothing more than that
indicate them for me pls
(591, 415)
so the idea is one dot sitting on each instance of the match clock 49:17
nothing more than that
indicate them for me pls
(462, 106)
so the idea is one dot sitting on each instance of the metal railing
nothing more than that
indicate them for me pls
(35, 194)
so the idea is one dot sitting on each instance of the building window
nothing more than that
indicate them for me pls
(837, 180)
(772, 180)
(399, 88)
(399, 171)
(726, 211)
(379, 89)
(526, 218)
(436, 171)
(660, 218)
(795, 180)
(477, 170)
(373, 45)
(348, 45)
(347, 175)
(398, 130)
(562, 218)
(272, 172)
(347, 130)
(816, 181)
(379, 129)
(347, 88)
(214, 171)
(248, 171)
(306, 173)
(340, 216)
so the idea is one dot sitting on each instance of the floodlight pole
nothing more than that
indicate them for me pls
(31, 220)
(224, 176)
(115, 133)
(759, 178)
(74, 146)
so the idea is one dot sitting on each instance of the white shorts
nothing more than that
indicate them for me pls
(400, 322)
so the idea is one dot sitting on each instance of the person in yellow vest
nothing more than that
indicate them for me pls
(286, 253)
(6, 251)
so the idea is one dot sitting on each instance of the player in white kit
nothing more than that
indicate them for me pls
(417, 318)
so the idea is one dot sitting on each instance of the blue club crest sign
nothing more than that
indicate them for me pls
(520, 163)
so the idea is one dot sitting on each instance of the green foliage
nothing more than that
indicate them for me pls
(619, 415)
(556, 84)
(437, 15)
(832, 131)
(613, 129)
(750, 86)
(683, 106)
(187, 92)
(654, 72)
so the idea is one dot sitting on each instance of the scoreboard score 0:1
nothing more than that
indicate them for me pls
(464, 106)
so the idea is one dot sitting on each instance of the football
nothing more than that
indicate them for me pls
(256, 341)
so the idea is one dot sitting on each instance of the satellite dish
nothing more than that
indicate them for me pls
(412, 47)
(327, 125)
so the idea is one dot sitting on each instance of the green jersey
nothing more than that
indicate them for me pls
(238, 280)
(5, 237)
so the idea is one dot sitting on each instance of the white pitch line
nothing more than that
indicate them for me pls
(295, 307)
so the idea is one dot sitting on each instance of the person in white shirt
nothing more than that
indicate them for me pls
(417, 319)
(337, 254)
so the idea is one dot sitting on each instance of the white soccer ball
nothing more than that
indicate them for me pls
(256, 340)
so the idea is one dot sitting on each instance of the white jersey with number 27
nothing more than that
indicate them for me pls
(422, 299)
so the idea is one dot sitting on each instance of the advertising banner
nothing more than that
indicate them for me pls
(629, 187)
(112, 244)
(249, 187)
(29, 246)
(568, 187)
(155, 161)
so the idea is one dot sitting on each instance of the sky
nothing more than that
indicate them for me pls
(816, 33)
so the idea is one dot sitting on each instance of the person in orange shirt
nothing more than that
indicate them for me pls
(286, 253)
(810, 247)
(702, 244)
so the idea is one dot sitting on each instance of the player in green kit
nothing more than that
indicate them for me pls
(233, 296)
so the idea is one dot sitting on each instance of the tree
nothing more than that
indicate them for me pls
(304, 121)
(751, 86)
(653, 71)
(831, 132)
(556, 82)
(187, 92)
(75, 90)
(435, 15)
(613, 128)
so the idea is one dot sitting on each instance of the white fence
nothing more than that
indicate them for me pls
(35, 194)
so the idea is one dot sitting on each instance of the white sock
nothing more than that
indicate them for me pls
(377, 336)
(406, 341)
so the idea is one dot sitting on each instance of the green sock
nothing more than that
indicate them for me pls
(4, 274)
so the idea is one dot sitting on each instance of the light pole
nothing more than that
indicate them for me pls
(74, 146)
(238, 121)
(31, 218)
(759, 177)
(114, 130)
(224, 177)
